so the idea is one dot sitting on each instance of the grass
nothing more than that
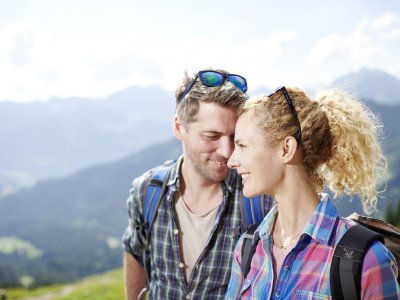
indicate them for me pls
(20, 293)
(106, 286)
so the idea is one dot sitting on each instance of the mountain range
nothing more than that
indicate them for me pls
(53, 139)
(63, 228)
(376, 86)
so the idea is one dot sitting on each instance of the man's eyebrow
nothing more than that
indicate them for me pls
(211, 131)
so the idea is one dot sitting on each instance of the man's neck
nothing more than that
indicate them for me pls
(200, 194)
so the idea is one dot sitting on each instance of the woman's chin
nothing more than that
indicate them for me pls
(250, 194)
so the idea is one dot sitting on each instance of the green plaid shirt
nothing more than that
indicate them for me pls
(210, 275)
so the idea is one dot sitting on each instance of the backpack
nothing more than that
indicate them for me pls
(346, 265)
(252, 209)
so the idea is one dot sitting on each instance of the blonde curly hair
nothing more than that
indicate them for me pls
(340, 139)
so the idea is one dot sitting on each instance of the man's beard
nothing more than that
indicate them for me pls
(204, 167)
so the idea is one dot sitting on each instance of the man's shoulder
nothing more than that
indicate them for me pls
(147, 175)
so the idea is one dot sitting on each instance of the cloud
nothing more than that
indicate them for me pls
(385, 21)
(387, 26)
(18, 40)
(40, 64)
(356, 46)
(370, 43)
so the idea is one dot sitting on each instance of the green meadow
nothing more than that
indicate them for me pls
(106, 286)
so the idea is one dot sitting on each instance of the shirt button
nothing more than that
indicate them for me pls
(181, 265)
(187, 296)
(277, 295)
(286, 267)
(176, 231)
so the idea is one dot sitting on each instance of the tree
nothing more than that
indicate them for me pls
(393, 214)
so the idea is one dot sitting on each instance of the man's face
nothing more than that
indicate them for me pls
(208, 141)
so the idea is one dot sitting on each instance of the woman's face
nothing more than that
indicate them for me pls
(259, 164)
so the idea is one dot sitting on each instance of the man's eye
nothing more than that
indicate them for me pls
(212, 137)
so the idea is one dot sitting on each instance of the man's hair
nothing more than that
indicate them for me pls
(226, 95)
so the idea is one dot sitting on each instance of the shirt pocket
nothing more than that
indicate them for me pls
(307, 295)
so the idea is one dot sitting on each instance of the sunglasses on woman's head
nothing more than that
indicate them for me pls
(292, 109)
(211, 78)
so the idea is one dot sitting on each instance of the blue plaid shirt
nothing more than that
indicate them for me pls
(210, 275)
(305, 272)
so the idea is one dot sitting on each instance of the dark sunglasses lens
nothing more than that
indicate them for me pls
(211, 79)
(239, 82)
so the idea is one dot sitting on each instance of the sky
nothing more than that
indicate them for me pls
(91, 48)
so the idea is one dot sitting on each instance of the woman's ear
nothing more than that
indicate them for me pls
(179, 129)
(289, 149)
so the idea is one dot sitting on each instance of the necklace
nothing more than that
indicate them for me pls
(291, 240)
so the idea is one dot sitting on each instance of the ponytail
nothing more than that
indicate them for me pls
(339, 140)
(357, 162)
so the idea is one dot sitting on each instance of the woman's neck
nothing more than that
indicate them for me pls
(297, 201)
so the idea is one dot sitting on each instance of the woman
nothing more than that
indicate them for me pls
(290, 146)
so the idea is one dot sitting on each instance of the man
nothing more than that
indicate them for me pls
(193, 235)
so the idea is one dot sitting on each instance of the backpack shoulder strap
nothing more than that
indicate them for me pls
(346, 267)
(154, 191)
(253, 211)
(250, 241)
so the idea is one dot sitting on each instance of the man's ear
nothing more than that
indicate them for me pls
(289, 149)
(179, 129)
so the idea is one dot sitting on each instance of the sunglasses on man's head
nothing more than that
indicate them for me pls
(211, 78)
(291, 107)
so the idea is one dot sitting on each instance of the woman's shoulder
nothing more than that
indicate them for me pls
(342, 225)
(377, 253)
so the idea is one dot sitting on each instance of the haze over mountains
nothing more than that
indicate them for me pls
(67, 227)
(376, 86)
(43, 140)
(63, 229)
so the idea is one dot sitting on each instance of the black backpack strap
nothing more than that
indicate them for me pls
(250, 241)
(346, 267)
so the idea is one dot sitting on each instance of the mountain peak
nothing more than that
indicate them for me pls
(373, 85)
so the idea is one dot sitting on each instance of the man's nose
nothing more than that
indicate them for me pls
(232, 161)
(226, 147)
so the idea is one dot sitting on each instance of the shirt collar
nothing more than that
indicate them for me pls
(231, 181)
(319, 226)
(174, 177)
(322, 222)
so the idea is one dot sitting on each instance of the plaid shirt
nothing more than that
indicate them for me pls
(210, 275)
(305, 270)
